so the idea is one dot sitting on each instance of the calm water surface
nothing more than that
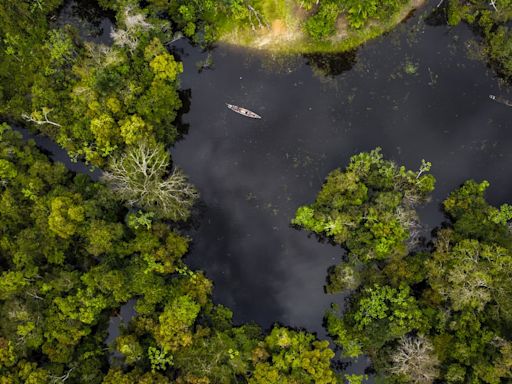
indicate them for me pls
(253, 174)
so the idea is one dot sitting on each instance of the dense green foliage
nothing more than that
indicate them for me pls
(94, 100)
(204, 21)
(323, 23)
(200, 20)
(118, 96)
(99, 103)
(492, 22)
(67, 263)
(368, 209)
(358, 13)
(22, 23)
(440, 312)
(71, 256)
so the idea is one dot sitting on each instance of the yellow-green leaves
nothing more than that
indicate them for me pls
(175, 323)
(7, 354)
(295, 357)
(66, 215)
(367, 208)
(323, 23)
(84, 306)
(134, 129)
(343, 335)
(159, 359)
(165, 67)
(7, 171)
(130, 347)
(60, 48)
(162, 64)
(468, 274)
(118, 98)
(395, 305)
(105, 132)
(164, 259)
(101, 235)
(11, 283)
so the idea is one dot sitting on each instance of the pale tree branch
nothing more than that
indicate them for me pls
(63, 378)
(415, 359)
(33, 118)
(135, 24)
(35, 296)
(256, 14)
(140, 177)
(409, 219)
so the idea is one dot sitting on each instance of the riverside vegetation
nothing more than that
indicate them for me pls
(72, 255)
(297, 26)
(424, 313)
(74, 251)
(491, 22)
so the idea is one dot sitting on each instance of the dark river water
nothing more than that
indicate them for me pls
(413, 92)
(253, 174)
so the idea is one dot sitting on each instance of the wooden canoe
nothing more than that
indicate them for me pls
(243, 111)
(501, 100)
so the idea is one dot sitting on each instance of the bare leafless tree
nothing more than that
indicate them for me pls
(409, 219)
(135, 21)
(415, 359)
(135, 24)
(102, 55)
(140, 177)
(123, 38)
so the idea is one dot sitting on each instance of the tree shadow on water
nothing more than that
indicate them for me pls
(438, 16)
(185, 96)
(331, 64)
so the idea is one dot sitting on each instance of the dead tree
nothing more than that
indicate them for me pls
(409, 219)
(140, 177)
(415, 359)
(135, 23)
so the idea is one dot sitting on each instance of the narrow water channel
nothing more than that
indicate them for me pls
(413, 92)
